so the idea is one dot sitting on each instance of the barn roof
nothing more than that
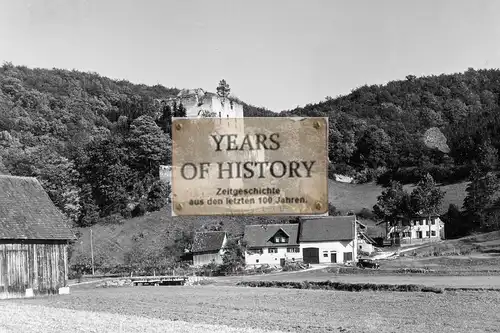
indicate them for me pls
(259, 235)
(27, 212)
(324, 229)
(208, 241)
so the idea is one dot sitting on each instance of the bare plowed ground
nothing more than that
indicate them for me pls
(239, 309)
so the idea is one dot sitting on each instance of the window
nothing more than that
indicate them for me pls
(257, 261)
(273, 250)
(433, 221)
(325, 254)
(421, 222)
(426, 222)
(407, 234)
(433, 233)
(426, 234)
(414, 222)
(347, 256)
(293, 250)
(280, 239)
(261, 251)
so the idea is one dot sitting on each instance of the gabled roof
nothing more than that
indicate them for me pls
(27, 212)
(328, 228)
(259, 235)
(208, 241)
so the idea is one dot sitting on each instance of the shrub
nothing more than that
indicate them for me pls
(366, 213)
(330, 285)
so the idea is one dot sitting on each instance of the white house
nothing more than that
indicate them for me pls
(416, 230)
(314, 240)
(271, 244)
(208, 247)
(329, 239)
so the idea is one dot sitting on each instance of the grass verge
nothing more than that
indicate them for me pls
(342, 286)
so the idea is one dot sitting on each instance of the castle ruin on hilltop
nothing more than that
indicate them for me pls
(200, 103)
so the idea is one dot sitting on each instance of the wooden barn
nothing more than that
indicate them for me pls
(208, 247)
(34, 238)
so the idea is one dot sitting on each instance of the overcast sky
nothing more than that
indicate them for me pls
(277, 54)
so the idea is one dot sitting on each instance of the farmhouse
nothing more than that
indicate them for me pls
(314, 240)
(416, 230)
(331, 239)
(208, 247)
(271, 244)
(34, 237)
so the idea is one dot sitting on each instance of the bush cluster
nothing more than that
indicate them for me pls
(341, 286)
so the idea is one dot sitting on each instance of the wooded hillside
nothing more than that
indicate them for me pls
(96, 143)
(377, 130)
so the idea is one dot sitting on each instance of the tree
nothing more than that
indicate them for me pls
(183, 241)
(456, 223)
(426, 198)
(393, 204)
(233, 257)
(148, 147)
(179, 110)
(487, 157)
(480, 197)
(223, 90)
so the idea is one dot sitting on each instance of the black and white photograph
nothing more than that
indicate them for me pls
(249, 166)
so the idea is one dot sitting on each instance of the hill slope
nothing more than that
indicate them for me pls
(159, 229)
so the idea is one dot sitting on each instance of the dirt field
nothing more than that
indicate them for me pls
(179, 309)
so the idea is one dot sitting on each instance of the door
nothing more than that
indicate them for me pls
(347, 256)
(333, 257)
(311, 255)
(282, 262)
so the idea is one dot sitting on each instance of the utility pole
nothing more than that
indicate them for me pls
(92, 251)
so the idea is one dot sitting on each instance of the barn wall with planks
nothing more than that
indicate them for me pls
(39, 265)
(200, 259)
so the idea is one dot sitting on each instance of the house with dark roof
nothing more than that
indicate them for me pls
(314, 240)
(34, 238)
(271, 244)
(208, 247)
(329, 239)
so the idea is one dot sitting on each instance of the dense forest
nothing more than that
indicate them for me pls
(96, 144)
(376, 132)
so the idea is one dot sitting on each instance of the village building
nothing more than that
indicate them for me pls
(365, 242)
(34, 238)
(416, 230)
(314, 240)
(271, 244)
(331, 239)
(208, 247)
